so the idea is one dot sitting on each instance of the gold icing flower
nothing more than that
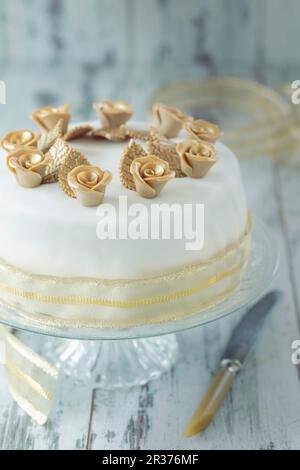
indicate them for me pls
(202, 130)
(29, 166)
(196, 157)
(16, 139)
(47, 118)
(169, 120)
(89, 184)
(113, 115)
(150, 175)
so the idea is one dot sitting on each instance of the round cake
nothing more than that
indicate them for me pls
(110, 265)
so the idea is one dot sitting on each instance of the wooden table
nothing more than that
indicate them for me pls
(263, 409)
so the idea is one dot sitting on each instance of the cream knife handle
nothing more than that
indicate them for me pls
(214, 397)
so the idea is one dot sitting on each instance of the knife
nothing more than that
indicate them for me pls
(242, 341)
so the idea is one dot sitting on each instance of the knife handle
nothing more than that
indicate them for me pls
(213, 398)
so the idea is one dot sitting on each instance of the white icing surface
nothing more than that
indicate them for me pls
(45, 232)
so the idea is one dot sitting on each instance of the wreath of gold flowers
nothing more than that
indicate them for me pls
(46, 157)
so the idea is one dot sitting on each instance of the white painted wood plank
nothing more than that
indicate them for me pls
(111, 32)
(66, 428)
(95, 32)
(68, 423)
(287, 179)
(65, 31)
(193, 32)
(282, 32)
(3, 33)
(28, 30)
(220, 36)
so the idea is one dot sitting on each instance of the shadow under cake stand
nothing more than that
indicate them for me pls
(115, 358)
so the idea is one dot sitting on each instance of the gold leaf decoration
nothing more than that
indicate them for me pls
(57, 154)
(137, 134)
(117, 134)
(47, 139)
(78, 131)
(71, 161)
(132, 151)
(50, 179)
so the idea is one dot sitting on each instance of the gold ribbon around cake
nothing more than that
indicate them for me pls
(105, 303)
(121, 303)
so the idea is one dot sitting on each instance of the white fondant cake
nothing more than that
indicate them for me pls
(46, 236)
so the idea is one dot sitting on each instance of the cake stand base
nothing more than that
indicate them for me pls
(113, 364)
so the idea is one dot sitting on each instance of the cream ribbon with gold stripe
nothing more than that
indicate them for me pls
(106, 303)
(31, 379)
(95, 303)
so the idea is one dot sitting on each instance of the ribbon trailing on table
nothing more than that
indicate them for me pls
(31, 379)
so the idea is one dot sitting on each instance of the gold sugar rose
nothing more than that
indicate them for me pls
(196, 158)
(202, 130)
(113, 115)
(89, 184)
(169, 120)
(47, 118)
(29, 166)
(16, 139)
(150, 175)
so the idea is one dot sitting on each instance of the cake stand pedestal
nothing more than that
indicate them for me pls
(113, 364)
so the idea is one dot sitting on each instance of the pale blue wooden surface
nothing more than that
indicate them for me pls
(76, 51)
(80, 50)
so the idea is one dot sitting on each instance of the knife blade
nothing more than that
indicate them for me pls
(240, 345)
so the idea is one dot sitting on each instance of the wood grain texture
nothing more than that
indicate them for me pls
(115, 53)
(282, 32)
(220, 36)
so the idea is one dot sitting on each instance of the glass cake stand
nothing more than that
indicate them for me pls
(124, 357)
